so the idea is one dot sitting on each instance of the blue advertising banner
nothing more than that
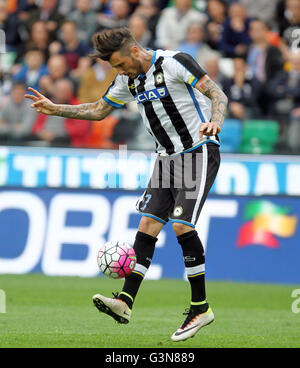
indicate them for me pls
(130, 170)
(59, 232)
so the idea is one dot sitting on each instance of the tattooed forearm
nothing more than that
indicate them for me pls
(90, 111)
(218, 98)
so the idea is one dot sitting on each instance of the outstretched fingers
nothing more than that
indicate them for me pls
(36, 97)
(37, 94)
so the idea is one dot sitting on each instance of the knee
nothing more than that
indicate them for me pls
(180, 228)
(150, 226)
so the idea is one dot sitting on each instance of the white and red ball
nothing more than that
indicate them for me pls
(116, 259)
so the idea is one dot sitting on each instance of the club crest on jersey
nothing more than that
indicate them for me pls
(178, 211)
(154, 94)
(159, 78)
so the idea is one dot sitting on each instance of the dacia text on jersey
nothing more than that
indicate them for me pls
(154, 94)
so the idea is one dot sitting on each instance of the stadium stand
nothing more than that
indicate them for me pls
(259, 136)
(262, 87)
(230, 135)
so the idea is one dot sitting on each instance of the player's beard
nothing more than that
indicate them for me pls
(137, 65)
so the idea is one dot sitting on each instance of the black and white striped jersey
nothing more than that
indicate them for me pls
(171, 108)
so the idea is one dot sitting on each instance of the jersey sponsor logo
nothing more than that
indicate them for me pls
(154, 94)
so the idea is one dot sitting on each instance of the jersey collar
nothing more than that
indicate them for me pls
(153, 58)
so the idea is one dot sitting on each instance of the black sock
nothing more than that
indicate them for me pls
(194, 260)
(144, 246)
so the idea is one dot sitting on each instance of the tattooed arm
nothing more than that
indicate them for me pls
(91, 111)
(219, 104)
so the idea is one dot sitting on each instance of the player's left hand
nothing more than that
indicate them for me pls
(209, 129)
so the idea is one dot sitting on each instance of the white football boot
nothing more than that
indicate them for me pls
(192, 324)
(114, 307)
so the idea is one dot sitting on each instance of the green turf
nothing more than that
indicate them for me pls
(58, 312)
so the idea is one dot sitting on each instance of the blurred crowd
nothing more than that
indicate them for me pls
(250, 48)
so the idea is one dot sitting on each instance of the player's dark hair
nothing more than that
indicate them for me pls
(110, 40)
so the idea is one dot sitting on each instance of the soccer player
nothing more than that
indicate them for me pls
(183, 110)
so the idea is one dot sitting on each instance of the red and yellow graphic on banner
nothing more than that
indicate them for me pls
(266, 220)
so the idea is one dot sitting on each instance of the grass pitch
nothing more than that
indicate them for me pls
(58, 312)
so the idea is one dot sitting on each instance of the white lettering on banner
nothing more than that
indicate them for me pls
(233, 178)
(214, 208)
(124, 206)
(266, 180)
(36, 212)
(30, 167)
(102, 170)
(54, 172)
(91, 236)
(131, 170)
(58, 233)
(72, 179)
(293, 179)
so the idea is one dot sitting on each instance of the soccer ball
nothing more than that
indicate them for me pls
(116, 259)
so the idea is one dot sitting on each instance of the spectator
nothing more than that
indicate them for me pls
(243, 92)
(25, 8)
(174, 22)
(26, 5)
(65, 7)
(48, 13)
(194, 43)
(284, 90)
(235, 36)
(57, 69)
(139, 28)
(9, 23)
(293, 133)
(85, 19)
(211, 66)
(284, 95)
(71, 47)
(264, 60)
(120, 10)
(95, 82)
(216, 10)
(11, 6)
(150, 10)
(39, 38)
(16, 117)
(33, 69)
(262, 9)
(59, 131)
(290, 22)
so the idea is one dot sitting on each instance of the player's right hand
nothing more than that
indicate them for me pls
(41, 103)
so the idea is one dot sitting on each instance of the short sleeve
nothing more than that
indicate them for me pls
(118, 93)
(187, 69)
